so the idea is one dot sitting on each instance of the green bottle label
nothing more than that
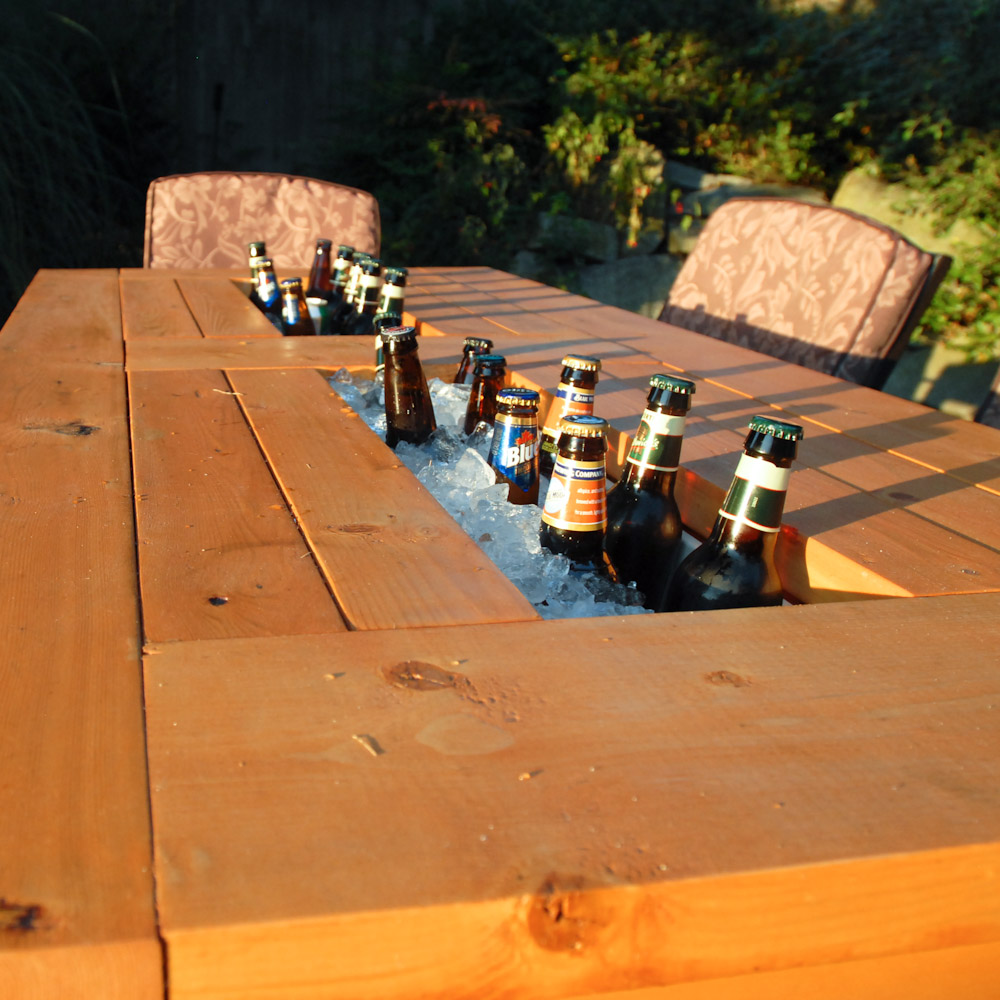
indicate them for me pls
(757, 495)
(657, 442)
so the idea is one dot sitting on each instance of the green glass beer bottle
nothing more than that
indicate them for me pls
(339, 278)
(575, 395)
(644, 524)
(409, 413)
(366, 298)
(575, 512)
(734, 566)
(466, 367)
(491, 370)
(390, 308)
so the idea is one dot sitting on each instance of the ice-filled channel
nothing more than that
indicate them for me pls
(454, 469)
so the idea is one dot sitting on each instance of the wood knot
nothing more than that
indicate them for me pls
(562, 916)
(727, 677)
(419, 676)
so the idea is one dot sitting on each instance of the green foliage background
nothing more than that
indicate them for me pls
(504, 109)
(508, 110)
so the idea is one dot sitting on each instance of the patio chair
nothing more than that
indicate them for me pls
(989, 410)
(207, 219)
(808, 283)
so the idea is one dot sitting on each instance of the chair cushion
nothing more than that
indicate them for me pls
(207, 219)
(811, 284)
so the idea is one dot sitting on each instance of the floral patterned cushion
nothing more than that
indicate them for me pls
(207, 219)
(808, 283)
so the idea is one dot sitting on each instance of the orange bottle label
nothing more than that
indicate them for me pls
(577, 497)
(569, 402)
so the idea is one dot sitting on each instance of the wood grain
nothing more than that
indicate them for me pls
(221, 309)
(155, 312)
(443, 810)
(392, 556)
(76, 889)
(219, 553)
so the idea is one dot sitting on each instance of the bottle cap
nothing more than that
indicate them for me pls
(323, 244)
(774, 440)
(776, 428)
(583, 425)
(395, 275)
(669, 392)
(398, 333)
(291, 283)
(582, 362)
(671, 383)
(517, 396)
(256, 248)
(490, 361)
(345, 251)
(480, 344)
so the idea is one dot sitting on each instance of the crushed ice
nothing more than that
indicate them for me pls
(455, 470)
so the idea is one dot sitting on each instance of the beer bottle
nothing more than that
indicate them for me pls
(345, 308)
(466, 367)
(254, 250)
(295, 318)
(366, 297)
(267, 294)
(338, 283)
(644, 524)
(575, 395)
(390, 308)
(514, 451)
(734, 566)
(409, 414)
(320, 274)
(491, 369)
(575, 512)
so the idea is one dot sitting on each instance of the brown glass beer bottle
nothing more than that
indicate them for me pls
(491, 369)
(474, 346)
(575, 395)
(409, 413)
(514, 450)
(644, 524)
(321, 273)
(575, 512)
(295, 318)
(734, 566)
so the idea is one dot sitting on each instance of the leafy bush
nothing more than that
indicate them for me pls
(579, 107)
(67, 194)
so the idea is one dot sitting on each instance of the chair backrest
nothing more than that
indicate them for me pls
(809, 283)
(207, 219)
(989, 411)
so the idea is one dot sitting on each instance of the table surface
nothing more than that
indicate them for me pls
(274, 726)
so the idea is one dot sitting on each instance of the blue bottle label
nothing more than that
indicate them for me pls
(514, 451)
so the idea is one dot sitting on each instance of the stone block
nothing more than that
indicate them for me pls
(901, 207)
(639, 284)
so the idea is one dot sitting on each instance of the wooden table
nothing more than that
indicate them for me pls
(272, 726)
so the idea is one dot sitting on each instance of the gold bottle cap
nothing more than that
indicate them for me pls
(582, 362)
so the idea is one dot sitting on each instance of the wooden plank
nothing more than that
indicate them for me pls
(154, 311)
(219, 554)
(438, 807)
(969, 973)
(77, 308)
(221, 309)
(258, 352)
(392, 556)
(76, 887)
